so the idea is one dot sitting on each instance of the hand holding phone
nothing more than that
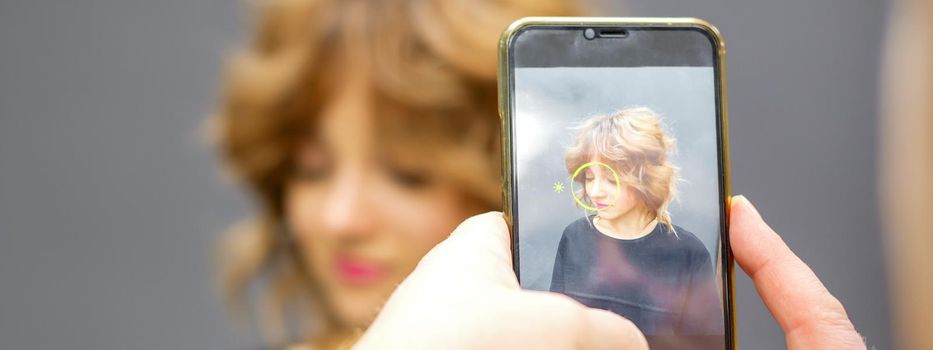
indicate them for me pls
(463, 295)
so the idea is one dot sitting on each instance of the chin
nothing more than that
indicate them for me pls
(607, 215)
(357, 312)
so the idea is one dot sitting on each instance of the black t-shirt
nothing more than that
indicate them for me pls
(663, 282)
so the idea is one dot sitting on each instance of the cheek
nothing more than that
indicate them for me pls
(303, 217)
(628, 197)
(421, 220)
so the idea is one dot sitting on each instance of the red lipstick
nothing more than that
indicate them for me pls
(359, 272)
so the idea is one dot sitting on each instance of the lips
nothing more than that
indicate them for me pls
(601, 206)
(359, 272)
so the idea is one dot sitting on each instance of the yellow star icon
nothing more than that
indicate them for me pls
(558, 187)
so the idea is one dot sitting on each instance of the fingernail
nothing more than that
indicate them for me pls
(743, 201)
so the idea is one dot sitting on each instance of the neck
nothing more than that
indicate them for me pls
(337, 338)
(631, 225)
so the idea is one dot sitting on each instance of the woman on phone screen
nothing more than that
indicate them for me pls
(629, 257)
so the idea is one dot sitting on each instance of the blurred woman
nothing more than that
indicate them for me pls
(365, 131)
(629, 257)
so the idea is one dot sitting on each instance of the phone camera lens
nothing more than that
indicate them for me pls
(589, 34)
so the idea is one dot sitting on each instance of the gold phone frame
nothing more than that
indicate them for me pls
(725, 267)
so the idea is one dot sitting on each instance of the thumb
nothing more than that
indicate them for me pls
(479, 251)
(605, 330)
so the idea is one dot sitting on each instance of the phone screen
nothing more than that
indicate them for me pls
(617, 172)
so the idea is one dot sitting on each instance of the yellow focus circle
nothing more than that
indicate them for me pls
(587, 165)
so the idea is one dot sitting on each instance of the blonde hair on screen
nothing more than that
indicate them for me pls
(634, 143)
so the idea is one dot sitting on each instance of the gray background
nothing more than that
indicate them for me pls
(550, 102)
(109, 200)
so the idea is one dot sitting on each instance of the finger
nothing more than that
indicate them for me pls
(602, 329)
(809, 315)
(479, 248)
(551, 320)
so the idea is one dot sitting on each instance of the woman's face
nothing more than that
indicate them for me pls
(602, 193)
(362, 224)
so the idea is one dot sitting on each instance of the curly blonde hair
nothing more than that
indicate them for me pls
(632, 141)
(433, 72)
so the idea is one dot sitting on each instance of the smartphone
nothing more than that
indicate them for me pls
(616, 173)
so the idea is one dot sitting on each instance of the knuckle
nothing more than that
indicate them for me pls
(832, 313)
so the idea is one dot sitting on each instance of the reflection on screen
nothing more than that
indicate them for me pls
(618, 193)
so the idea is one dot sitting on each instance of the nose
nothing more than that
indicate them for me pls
(598, 189)
(346, 212)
